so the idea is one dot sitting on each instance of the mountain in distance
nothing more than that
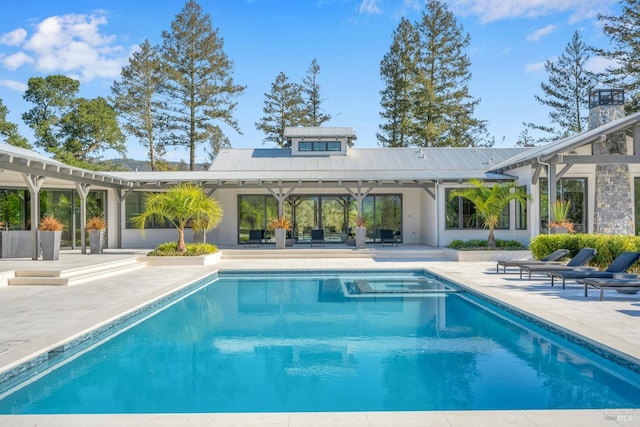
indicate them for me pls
(144, 165)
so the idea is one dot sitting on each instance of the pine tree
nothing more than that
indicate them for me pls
(567, 91)
(137, 100)
(443, 113)
(9, 131)
(625, 53)
(283, 107)
(312, 100)
(398, 71)
(200, 86)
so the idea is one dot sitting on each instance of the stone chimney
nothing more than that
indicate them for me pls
(613, 203)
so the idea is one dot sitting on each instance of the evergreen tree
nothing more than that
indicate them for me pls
(9, 131)
(88, 129)
(53, 97)
(312, 100)
(200, 85)
(625, 53)
(74, 130)
(567, 91)
(443, 107)
(137, 100)
(525, 139)
(283, 107)
(398, 71)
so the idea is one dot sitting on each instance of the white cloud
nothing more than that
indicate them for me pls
(16, 60)
(598, 64)
(495, 10)
(534, 67)
(370, 7)
(541, 32)
(13, 85)
(13, 38)
(72, 45)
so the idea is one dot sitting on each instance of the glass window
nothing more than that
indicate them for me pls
(521, 213)
(15, 209)
(567, 189)
(305, 146)
(319, 146)
(461, 214)
(134, 205)
(254, 213)
(335, 214)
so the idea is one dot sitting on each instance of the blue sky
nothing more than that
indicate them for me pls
(91, 41)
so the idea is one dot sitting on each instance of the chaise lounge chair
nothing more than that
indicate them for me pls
(624, 285)
(621, 264)
(255, 238)
(553, 258)
(387, 237)
(317, 237)
(580, 260)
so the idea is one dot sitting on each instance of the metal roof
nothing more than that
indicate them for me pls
(32, 163)
(545, 152)
(319, 131)
(382, 166)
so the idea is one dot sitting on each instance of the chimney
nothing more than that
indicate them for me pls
(605, 105)
(613, 213)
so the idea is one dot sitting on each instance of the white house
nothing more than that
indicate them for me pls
(323, 182)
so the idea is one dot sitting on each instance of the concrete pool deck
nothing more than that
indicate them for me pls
(35, 318)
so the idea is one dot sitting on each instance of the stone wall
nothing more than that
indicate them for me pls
(613, 204)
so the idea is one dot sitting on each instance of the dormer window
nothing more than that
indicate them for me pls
(319, 146)
(319, 141)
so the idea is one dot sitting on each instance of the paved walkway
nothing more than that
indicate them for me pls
(35, 318)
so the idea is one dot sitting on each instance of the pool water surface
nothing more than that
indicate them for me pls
(311, 342)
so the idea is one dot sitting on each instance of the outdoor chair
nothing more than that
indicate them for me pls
(317, 237)
(553, 258)
(387, 237)
(579, 261)
(621, 264)
(255, 238)
(627, 284)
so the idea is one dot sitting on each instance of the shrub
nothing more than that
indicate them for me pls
(96, 223)
(608, 246)
(193, 249)
(474, 244)
(50, 223)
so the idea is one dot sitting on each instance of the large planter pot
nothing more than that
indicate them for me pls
(281, 238)
(50, 244)
(361, 237)
(15, 244)
(96, 241)
(558, 230)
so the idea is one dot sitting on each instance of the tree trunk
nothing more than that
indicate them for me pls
(492, 240)
(181, 247)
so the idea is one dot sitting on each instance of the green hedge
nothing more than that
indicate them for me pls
(483, 243)
(608, 246)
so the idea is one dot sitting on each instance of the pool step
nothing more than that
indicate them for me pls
(73, 276)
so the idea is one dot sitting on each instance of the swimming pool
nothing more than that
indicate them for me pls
(271, 342)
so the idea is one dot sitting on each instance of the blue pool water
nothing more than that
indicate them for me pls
(313, 342)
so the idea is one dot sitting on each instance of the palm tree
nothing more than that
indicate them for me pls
(491, 201)
(181, 205)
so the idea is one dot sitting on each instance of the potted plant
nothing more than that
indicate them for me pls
(560, 222)
(361, 233)
(280, 226)
(96, 227)
(49, 236)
